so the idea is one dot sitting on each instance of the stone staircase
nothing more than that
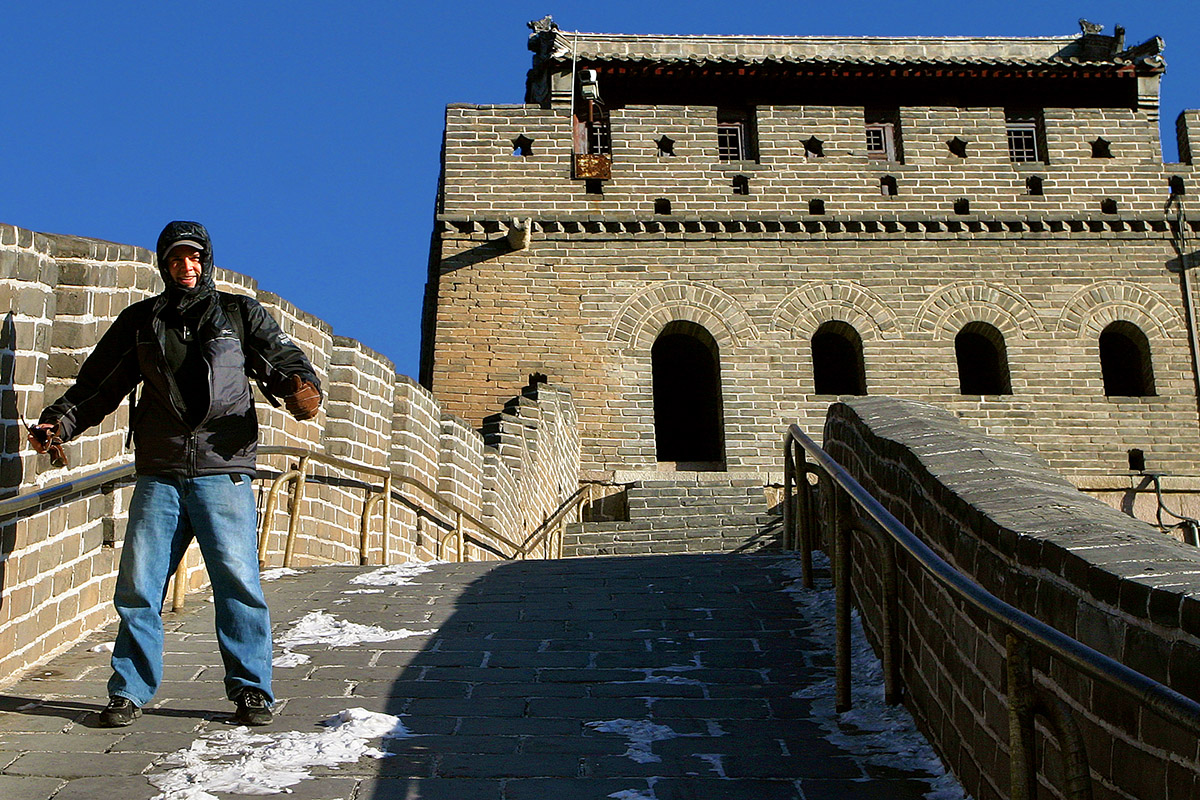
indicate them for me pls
(695, 513)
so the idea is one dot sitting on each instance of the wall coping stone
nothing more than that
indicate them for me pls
(1026, 508)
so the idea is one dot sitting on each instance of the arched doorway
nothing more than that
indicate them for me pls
(688, 425)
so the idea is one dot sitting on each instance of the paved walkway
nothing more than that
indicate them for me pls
(635, 678)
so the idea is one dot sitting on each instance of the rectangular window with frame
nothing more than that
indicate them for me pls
(735, 135)
(1026, 136)
(883, 134)
(731, 140)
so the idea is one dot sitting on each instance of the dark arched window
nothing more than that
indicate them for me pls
(1125, 361)
(687, 395)
(982, 360)
(837, 354)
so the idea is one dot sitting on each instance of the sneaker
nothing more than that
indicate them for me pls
(120, 712)
(253, 708)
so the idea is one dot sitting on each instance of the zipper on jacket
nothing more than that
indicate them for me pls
(177, 403)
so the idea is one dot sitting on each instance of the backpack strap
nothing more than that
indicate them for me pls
(132, 410)
(237, 320)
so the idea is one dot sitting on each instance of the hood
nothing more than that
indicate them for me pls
(194, 231)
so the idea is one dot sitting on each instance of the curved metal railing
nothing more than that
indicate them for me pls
(552, 528)
(451, 516)
(1022, 629)
(447, 515)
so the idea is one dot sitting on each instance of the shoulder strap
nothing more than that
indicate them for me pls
(235, 313)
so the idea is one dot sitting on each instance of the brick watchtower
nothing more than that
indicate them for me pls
(705, 237)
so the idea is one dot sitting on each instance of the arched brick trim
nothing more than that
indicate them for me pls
(815, 303)
(645, 314)
(1094, 307)
(945, 312)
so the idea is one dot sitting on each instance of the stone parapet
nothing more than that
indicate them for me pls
(999, 514)
(1098, 163)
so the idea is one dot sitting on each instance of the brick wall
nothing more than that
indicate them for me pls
(485, 179)
(57, 563)
(1001, 515)
(603, 275)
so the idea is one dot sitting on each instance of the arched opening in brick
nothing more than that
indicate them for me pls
(982, 360)
(837, 354)
(1125, 361)
(688, 424)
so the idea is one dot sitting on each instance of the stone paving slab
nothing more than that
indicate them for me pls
(511, 695)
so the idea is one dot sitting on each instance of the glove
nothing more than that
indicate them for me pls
(301, 398)
(44, 438)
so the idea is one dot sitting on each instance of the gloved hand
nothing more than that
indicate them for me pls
(301, 399)
(44, 438)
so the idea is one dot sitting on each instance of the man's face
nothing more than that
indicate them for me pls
(183, 264)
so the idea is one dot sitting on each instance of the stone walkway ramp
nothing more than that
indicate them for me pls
(639, 678)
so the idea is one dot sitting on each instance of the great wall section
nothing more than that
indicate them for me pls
(568, 248)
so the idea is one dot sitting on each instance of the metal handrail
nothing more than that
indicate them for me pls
(403, 480)
(47, 494)
(552, 522)
(297, 476)
(1022, 628)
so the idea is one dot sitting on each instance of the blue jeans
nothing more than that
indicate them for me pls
(164, 516)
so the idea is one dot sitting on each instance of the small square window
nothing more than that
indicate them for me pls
(1026, 135)
(881, 141)
(1022, 141)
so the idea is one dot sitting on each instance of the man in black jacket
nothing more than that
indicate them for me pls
(195, 434)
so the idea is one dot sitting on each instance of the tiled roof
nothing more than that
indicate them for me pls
(975, 51)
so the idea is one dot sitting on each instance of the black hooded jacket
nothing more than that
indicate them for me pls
(222, 436)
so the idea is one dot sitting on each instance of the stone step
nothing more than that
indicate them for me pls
(682, 514)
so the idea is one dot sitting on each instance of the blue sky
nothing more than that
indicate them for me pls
(305, 135)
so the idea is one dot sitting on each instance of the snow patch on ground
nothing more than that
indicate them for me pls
(395, 575)
(240, 762)
(637, 794)
(321, 627)
(277, 573)
(641, 734)
(877, 733)
(104, 647)
(289, 659)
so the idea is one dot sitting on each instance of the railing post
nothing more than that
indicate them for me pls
(364, 529)
(179, 594)
(459, 538)
(805, 524)
(789, 516)
(892, 690)
(1077, 778)
(293, 518)
(1022, 765)
(841, 582)
(387, 518)
(264, 533)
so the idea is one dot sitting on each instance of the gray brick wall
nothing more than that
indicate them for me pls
(1001, 515)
